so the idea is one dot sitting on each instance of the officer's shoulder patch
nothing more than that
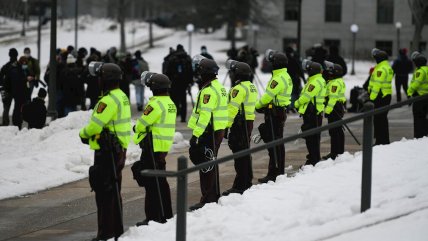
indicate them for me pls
(333, 89)
(418, 74)
(101, 107)
(207, 98)
(148, 110)
(235, 93)
(379, 73)
(311, 87)
(273, 84)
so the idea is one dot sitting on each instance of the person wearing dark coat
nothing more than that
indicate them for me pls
(34, 113)
(335, 58)
(93, 91)
(204, 52)
(13, 80)
(71, 87)
(294, 69)
(402, 67)
(180, 73)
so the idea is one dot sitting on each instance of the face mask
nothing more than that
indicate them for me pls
(27, 55)
(204, 51)
(24, 66)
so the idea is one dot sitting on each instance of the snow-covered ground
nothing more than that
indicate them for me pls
(34, 160)
(319, 203)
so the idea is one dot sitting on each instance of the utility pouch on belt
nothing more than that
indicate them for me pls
(237, 140)
(136, 168)
(100, 178)
(265, 132)
(201, 152)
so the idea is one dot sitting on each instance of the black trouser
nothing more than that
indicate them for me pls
(276, 167)
(238, 142)
(312, 120)
(209, 178)
(420, 124)
(380, 121)
(337, 137)
(17, 111)
(401, 80)
(152, 205)
(178, 96)
(108, 215)
(7, 102)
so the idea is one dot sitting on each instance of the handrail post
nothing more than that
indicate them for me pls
(366, 182)
(181, 200)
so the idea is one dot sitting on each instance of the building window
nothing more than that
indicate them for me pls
(385, 46)
(385, 11)
(333, 10)
(331, 42)
(291, 10)
(289, 42)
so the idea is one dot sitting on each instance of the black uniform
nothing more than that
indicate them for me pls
(35, 113)
(402, 66)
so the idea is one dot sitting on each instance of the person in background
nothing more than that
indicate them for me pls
(139, 66)
(294, 69)
(204, 52)
(13, 80)
(402, 67)
(72, 87)
(335, 58)
(33, 72)
(34, 113)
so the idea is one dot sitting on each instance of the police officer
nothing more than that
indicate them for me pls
(311, 105)
(273, 104)
(380, 91)
(334, 109)
(154, 132)
(110, 118)
(208, 122)
(419, 86)
(241, 106)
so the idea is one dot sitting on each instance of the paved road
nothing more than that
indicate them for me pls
(68, 212)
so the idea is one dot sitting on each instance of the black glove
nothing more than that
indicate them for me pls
(261, 110)
(84, 140)
(193, 141)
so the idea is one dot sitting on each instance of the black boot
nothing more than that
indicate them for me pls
(232, 190)
(330, 155)
(144, 222)
(196, 206)
(267, 179)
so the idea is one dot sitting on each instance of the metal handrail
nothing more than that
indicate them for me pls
(367, 147)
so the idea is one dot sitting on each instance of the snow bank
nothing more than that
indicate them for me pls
(318, 203)
(34, 160)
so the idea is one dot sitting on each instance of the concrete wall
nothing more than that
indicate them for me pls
(315, 29)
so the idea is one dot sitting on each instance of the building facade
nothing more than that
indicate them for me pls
(329, 22)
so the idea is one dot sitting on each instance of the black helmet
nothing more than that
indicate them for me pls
(311, 67)
(203, 65)
(155, 81)
(111, 72)
(337, 70)
(379, 55)
(278, 59)
(418, 59)
(241, 71)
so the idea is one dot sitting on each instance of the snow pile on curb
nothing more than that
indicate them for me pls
(318, 203)
(34, 160)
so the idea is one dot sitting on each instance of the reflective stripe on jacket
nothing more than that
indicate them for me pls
(419, 83)
(335, 91)
(278, 90)
(245, 92)
(314, 89)
(159, 118)
(112, 112)
(212, 101)
(380, 80)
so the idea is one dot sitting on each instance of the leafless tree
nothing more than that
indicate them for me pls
(121, 19)
(419, 10)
